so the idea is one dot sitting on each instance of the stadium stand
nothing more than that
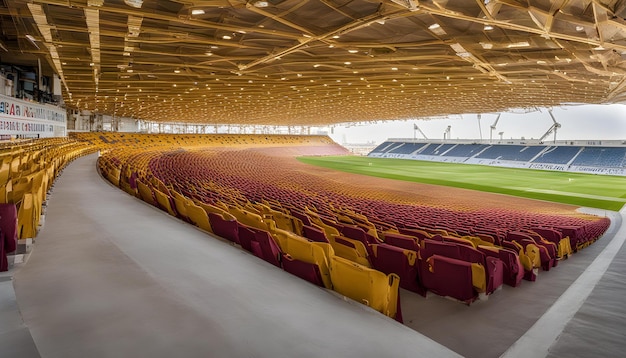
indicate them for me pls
(613, 157)
(27, 172)
(465, 150)
(516, 153)
(435, 149)
(336, 235)
(557, 155)
(575, 158)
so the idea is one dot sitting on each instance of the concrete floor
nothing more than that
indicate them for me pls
(111, 276)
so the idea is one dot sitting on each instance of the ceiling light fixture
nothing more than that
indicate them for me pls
(197, 12)
(488, 28)
(134, 3)
(261, 4)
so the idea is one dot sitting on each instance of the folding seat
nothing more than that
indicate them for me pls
(420, 234)
(224, 226)
(562, 244)
(248, 218)
(573, 233)
(287, 222)
(391, 259)
(458, 240)
(314, 253)
(330, 231)
(356, 233)
(550, 247)
(513, 271)
(535, 251)
(268, 249)
(432, 247)
(527, 263)
(145, 193)
(8, 233)
(164, 202)
(477, 241)
(365, 285)
(306, 271)
(300, 215)
(314, 233)
(403, 241)
(26, 227)
(198, 216)
(454, 278)
(350, 249)
(494, 270)
(180, 203)
(113, 175)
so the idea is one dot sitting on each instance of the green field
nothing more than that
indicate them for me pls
(596, 191)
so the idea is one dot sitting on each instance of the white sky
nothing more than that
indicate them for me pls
(583, 122)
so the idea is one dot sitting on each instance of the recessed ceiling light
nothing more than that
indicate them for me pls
(488, 28)
(580, 28)
(353, 51)
(434, 26)
(197, 12)
(347, 63)
(227, 37)
(176, 71)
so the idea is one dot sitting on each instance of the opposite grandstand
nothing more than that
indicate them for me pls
(573, 157)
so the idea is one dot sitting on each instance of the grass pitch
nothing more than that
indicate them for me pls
(596, 191)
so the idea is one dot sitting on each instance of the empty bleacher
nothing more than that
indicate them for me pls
(27, 172)
(576, 158)
(612, 157)
(517, 153)
(435, 149)
(334, 232)
(465, 150)
(557, 155)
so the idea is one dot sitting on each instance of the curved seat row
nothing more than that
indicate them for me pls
(359, 240)
(27, 171)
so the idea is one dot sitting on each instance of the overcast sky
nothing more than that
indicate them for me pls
(585, 122)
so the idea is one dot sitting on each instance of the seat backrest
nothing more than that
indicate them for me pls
(431, 247)
(370, 287)
(314, 233)
(400, 240)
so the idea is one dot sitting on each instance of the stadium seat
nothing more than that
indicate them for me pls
(365, 285)
(8, 233)
(391, 259)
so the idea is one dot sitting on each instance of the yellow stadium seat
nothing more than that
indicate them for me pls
(145, 193)
(164, 201)
(367, 286)
(25, 218)
(350, 249)
(198, 216)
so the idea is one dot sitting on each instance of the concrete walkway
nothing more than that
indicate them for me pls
(114, 277)
(111, 276)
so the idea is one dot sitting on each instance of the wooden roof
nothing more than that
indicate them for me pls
(317, 62)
